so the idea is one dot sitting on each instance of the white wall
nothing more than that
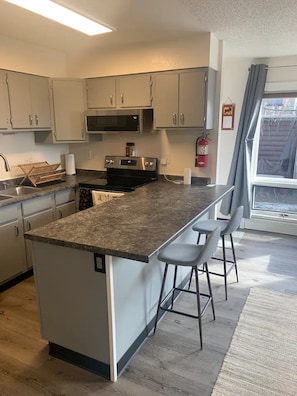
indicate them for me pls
(193, 51)
(21, 148)
(19, 56)
(233, 83)
(178, 145)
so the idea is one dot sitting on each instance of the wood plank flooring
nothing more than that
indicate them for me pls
(169, 363)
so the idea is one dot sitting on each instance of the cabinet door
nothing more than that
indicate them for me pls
(34, 221)
(12, 247)
(192, 95)
(166, 100)
(135, 91)
(40, 101)
(69, 108)
(4, 103)
(20, 101)
(101, 92)
(65, 210)
(65, 203)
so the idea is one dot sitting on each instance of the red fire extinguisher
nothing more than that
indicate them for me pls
(201, 160)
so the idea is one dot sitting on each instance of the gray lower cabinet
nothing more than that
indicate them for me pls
(15, 220)
(12, 244)
(36, 213)
(65, 203)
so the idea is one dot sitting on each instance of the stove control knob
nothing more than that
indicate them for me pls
(146, 164)
(109, 162)
(151, 163)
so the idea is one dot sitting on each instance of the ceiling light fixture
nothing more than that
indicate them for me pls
(56, 12)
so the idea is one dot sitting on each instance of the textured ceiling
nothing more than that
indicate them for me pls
(250, 28)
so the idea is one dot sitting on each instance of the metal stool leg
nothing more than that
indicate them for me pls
(225, 267)
(209, 289)
(234, 257)
(174, 286)
(160, 297)
(192, 271)
(198, 304)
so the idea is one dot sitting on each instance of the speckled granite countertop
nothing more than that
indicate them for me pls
(68, 182)
(136, 225)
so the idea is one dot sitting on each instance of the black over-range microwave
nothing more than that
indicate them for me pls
(125, 120)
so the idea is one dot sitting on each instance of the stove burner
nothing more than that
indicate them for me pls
(122, 174)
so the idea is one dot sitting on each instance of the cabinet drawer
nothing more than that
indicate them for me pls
(65, 210)
(35, 205)
(9, 213)
(65, 196)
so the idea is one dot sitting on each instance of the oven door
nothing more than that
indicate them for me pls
(99, 197)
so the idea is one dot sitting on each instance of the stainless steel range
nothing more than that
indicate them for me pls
(123, 174)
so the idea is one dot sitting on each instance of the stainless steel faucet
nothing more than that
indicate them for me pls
(6, 164)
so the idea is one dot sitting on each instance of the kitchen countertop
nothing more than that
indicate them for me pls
(68, 182)
(136, 225)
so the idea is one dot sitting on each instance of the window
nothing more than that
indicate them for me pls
(274, 156)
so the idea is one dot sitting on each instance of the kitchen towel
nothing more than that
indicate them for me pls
(70, 164)
(187, 175)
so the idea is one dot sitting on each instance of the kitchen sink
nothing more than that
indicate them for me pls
(19, 190)
(3, 197)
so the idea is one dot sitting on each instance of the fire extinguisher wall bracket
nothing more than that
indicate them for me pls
(201, 160)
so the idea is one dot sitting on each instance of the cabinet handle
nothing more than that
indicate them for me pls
(182, 118)
(17, 231)
(122, 98)
(36, 119)
(30, 119)
(174, 118)
(111, 99)
(28, 226)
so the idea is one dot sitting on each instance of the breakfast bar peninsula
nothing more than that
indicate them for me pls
(97, 274)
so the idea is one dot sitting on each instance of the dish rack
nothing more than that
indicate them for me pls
(41, 172)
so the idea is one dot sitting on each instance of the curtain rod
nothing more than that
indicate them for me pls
(277, 67)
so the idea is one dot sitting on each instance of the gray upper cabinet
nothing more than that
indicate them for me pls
(135, 91)
(184, 98)
(101, 92)
(119, 92)
(29, 101)
(69, 106)
(4, 103)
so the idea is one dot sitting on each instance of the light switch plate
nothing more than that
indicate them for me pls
(99, 263)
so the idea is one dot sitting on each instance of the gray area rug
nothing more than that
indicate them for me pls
(262, 358)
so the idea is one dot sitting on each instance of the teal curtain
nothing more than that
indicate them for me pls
(240, 170)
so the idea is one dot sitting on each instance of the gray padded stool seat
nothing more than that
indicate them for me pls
(188, 255)
(227, 227)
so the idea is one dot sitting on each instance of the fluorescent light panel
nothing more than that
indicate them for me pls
(58, 13)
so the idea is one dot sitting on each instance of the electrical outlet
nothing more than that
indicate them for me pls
(168, 159)
(163, 161)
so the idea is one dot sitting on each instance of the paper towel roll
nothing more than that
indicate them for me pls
(187, 175)
(70, 164)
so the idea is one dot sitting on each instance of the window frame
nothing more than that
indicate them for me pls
(257, 180)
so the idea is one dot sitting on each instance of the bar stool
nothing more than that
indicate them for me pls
(187, 255)
(227, 227)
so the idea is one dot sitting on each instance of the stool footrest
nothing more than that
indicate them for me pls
(163, 308)
(218, 273)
